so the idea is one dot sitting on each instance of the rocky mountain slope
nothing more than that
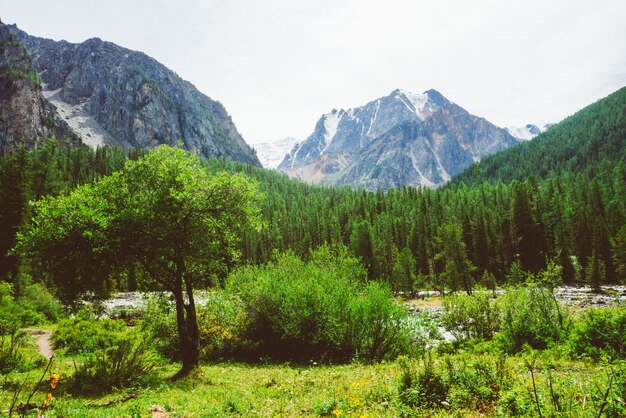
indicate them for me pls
(114, 96)
(26, 118)
(397, 140)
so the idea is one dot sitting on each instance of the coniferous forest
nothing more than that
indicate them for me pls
(558, 198)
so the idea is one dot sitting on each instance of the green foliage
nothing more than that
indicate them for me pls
(457, 268)
(12, 358)
(618, 247)
(321, 309)
(164, 212)
(599, 334)
(118, 366)
(470, 316)
(222, 324)
(530, 315)
(159, 327)
(476, 383)
(577, 144)
(85, 334)
(423, 387)
(37, 298)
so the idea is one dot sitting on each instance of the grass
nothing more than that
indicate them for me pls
(284, 390)
(240, 389)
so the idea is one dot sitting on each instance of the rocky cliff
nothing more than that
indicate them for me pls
(397, 140)
(114, 96)
(26, 118)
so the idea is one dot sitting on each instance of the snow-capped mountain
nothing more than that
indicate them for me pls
(528, 132)
(396, 140)
(272, 153)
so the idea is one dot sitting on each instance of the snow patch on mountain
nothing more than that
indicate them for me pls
(272, 153)
(528, 132)
(331, 123)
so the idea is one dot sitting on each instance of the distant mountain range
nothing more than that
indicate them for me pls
(111, 95)
(528, 132)
(397, 140)
(272, 153)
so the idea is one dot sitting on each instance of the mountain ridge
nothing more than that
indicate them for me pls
(393, 141)
(133, 98)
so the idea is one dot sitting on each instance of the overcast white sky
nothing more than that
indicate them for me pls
(277, 65)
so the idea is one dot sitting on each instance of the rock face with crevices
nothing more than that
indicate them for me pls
(403, 139)
(115, 96)
(26, 118)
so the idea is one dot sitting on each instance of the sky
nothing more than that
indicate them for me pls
(278, 65)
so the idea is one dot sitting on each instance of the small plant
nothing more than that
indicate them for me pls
(119, 366)
(424, 387)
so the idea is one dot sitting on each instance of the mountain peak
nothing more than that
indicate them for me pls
(400, 139)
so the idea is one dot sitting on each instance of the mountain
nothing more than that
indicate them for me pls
(114, 96)
(578, 144)
(527, 132)
(397, 140)
(272, 153)
(26, 118)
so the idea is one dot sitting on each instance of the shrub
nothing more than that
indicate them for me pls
(470, 316)
(530, 315)
(35, 297)
(160, 327)
(476, 382)
(600, 333)
(118, 366)
(424, 387)
(85, 334)
(11, 357)
(222, 323)
(321, 309)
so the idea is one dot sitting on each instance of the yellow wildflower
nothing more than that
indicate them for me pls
(54, 380)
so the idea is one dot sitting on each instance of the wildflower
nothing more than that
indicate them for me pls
(54, 380)
(337, 412)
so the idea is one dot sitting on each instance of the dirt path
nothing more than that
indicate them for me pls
(43, 339)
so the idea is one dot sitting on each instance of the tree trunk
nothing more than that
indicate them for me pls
(187, 325)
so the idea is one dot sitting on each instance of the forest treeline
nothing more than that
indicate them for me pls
(577, 144)
(451, 238)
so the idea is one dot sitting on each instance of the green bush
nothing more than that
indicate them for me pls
(460, 382)
(477, 381)
(11, 357)
(470, 316)
(222, 324)
(159, 326)
(85, 334)
(599, 333)
(118, 366)
(35, 297)
(423, 387)
(321, 309)
(530, 315)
